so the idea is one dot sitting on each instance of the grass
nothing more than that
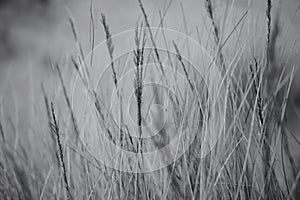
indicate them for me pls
(234, 125)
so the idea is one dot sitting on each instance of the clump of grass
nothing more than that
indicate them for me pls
(242, 164)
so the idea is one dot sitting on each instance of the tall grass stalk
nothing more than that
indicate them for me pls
(55, 130)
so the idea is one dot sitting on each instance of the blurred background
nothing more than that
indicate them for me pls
(32, 31)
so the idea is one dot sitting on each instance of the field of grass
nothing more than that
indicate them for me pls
(176, 115)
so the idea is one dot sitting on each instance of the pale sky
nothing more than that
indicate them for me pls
(33, 30)
(25, 27)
